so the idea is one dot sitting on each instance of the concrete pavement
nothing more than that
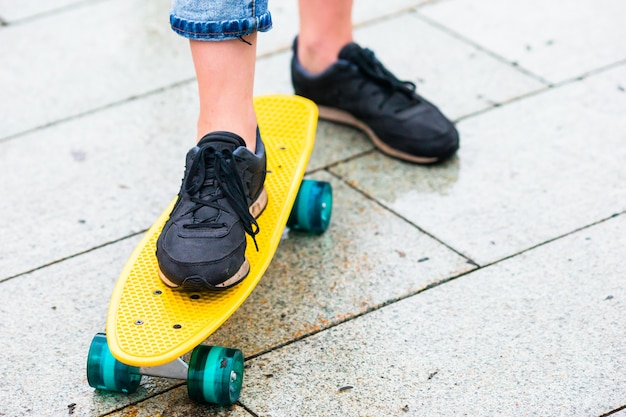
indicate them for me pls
(493, 284)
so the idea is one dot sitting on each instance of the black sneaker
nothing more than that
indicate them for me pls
(202, 245)
(358, 90)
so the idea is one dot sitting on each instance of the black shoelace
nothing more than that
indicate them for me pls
(211, 167)
(373, 69)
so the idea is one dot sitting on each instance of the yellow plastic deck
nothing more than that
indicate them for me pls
(148, 323)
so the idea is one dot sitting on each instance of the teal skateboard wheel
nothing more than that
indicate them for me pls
(215, 375)
(313, 206)
(107, 373)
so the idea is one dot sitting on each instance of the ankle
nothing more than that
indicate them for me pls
(239, 124)
(316, 56)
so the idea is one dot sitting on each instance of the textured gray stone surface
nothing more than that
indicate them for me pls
(12, 11)
(99, 178)
(47, 321)
(526, 173)
(543, 37)
(75, 69)
(369, 257)
(540, 334)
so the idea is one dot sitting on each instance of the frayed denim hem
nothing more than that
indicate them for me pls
(222, 30)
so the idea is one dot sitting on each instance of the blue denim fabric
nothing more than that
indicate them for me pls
(215, 20)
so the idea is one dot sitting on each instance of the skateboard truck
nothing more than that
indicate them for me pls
(176, 369)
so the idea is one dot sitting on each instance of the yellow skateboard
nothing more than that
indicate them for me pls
(150, 326)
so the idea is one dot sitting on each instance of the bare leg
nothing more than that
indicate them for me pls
(325, 27)
(225, 73)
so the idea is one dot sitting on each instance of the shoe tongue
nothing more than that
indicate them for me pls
(350, 52)
(222, 140)
(367, 62)
(362, 58)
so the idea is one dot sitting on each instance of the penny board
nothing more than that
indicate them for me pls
(150, 324)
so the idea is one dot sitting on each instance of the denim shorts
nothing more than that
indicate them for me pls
(216, 20)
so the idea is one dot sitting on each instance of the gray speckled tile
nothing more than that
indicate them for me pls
(272, 74)
(457, 77)
(525, 173)
(24, 9)
(76, 69)
(430, 61)
(367, 257)
(285, 19)
(115, 63)
(367, 10)
(545, 37)
(540, 334)
(47, 321)
(175, 403)
(335, 142)
(100, 177)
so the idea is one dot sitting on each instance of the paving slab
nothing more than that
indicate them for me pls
(175, 403)
(12, 11)
(556, 41)
(526, 172)
(539, 334)
(367, 258)
(87, 69)
(457, 76)
(77, 69)
(100, 178)
(47, 321)
(286, 22)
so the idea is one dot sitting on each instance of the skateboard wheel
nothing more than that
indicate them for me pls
(107, 373)
(313, 206)
(215, 375)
